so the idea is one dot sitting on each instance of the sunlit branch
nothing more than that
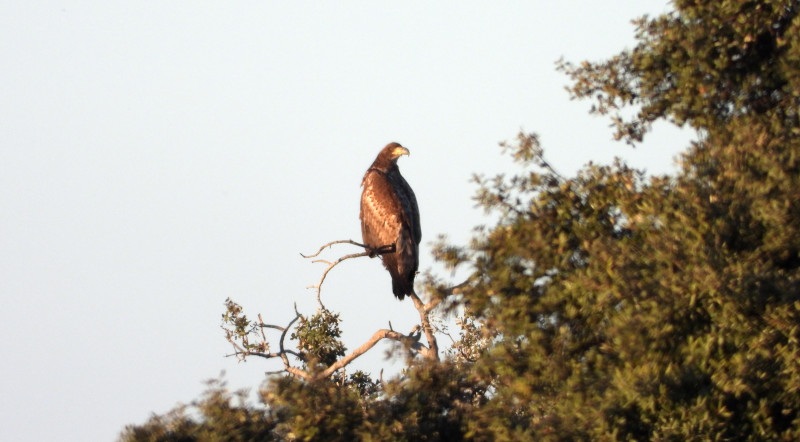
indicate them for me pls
(411, 340)
(390, 248)
(424, 317)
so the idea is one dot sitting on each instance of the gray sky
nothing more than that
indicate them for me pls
(159, 157)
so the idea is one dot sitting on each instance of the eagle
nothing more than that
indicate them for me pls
(390, 219)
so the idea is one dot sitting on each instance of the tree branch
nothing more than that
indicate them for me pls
(424, 313)
(341, 241)
(410, 339)
(432, 350)
(283, 351)
(390, 248)
(242, 352)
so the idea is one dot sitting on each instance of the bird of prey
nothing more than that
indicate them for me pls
(390, 219)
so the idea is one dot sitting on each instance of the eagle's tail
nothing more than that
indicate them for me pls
(402, 276)
(402, 286)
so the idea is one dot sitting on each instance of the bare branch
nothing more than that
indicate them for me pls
(298, 372)
(379, 335)
(283, 352)
(341, 241)
(456, 289)
(432, 350)
(389, 248)
(411, 341)
(424, 313)
(427, 308)
(261, 329)
(318, 286)
(276, 327)
(241, 352)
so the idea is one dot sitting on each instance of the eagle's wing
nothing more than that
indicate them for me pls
(382, 214)
(409, 203)
(388, 215)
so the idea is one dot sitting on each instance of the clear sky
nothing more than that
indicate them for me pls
(159, 157)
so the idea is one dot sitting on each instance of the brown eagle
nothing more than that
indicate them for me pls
(390, 217)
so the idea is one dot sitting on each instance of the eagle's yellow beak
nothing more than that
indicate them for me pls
(400, 150)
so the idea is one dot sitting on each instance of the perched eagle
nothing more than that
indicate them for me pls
(390, 217)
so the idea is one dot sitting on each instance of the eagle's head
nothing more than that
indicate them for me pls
(387, 158)
(395, 151)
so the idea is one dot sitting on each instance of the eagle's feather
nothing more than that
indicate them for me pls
(390, 216)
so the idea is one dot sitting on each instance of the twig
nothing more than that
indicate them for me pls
(331, 265)
(276, 327)
(283, 351)
(341, 241)
(242, 352)
(261, 323)
(411, 340)
(370, 251)
(260, 354)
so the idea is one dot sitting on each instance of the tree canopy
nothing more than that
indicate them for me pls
(608, 304)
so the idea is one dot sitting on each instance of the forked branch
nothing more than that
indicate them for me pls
(238, 335)
(432, 351)
(350, 241)
(411, 341)
(245, 349)
(369, 252)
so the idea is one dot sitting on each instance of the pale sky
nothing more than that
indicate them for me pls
(159, 157)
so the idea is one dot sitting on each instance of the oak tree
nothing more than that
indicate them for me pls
(609, 304)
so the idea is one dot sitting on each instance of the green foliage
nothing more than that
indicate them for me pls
(608, 305)
(240, 330)
(706, 64)
(218, 416)
(318, 338)
(432, 402)
(315, 410)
